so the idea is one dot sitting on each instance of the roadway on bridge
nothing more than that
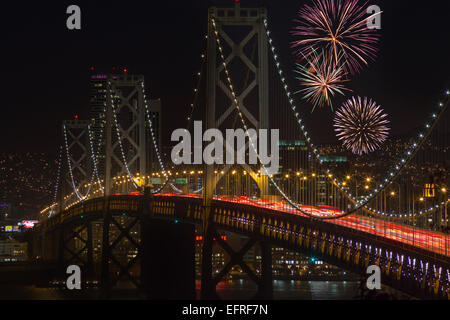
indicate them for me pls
(429, 240)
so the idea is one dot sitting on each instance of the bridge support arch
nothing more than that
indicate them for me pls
(418, 272)
(236, 258)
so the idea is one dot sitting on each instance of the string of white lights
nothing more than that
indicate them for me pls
(69, 163)
(412, 150)
(155, 143)
(176, 189)
(196, 89)
(189, 118)
(95, 161)
(198, 191)
(58, 178)
(252, 143)
(119, 138)
(94, 155)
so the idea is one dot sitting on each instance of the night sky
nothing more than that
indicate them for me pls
(45, 67)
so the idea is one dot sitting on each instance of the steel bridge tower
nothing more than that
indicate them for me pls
(231, 25)
(77, 150)
(125, 112)
(230, 22)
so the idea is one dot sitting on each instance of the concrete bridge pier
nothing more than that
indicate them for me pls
(168, 260)
(265, 286)
(208, 286)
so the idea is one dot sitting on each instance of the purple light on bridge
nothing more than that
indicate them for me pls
(99, 76)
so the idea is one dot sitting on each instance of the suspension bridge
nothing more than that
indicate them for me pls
(116, 189)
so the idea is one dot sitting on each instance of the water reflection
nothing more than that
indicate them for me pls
(290, 290)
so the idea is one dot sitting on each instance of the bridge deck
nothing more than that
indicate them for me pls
(429, 240)
(410, 258)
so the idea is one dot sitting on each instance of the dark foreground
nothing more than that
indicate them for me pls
(229, 290)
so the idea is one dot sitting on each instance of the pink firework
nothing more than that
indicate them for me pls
(361, 125)
(339, 27)
(322, 79)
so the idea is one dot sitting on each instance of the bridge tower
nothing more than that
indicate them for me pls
(248, 57)
(78, 168)
(126, 135)
(79, 180)
(246, 52)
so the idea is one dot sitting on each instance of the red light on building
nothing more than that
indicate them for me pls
(125, 70)
(92, 68)
(199, 238)
(76, 117)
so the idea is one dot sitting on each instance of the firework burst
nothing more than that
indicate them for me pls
(322, 79)
(338, 26)
(361, 125)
